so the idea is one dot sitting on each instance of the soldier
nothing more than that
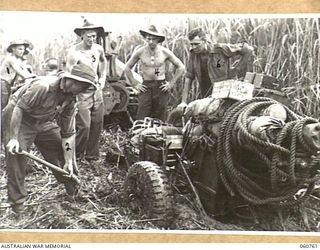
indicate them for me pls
(210, 63)
(154, 91)
(90, 103)
(51, 66)
(32, 121)
(14, 70)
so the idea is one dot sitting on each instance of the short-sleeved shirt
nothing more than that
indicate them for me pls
(44, 101)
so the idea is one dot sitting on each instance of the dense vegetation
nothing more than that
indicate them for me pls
(286, 48)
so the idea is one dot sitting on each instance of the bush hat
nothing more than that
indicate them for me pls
(152, 30)
(89, 26)
(82, 73)
(17, 42)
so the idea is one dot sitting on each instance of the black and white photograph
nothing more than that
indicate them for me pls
(160, 121)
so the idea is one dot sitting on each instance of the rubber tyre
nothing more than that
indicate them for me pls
(147, 189)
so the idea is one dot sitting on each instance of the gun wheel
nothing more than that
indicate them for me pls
(147, 189)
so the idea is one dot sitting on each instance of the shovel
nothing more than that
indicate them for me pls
(49, 165)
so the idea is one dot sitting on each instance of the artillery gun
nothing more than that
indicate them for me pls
(120, 101)
(242, 149)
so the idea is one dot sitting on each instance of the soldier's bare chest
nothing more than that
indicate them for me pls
(89, 56)
(150, 58)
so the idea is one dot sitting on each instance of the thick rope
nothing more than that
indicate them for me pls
(284, 182)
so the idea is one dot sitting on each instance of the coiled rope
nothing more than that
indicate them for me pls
(283, 182)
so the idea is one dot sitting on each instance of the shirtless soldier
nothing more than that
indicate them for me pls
(154, 91)
(14, 70)
(89, 120)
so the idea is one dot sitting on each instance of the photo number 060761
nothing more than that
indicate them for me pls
(160, 121)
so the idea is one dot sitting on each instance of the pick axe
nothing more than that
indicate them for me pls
(49, 165)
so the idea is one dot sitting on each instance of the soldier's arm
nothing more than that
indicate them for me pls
(244, 50)
(242, 65)
(20, 69)
(180, 68)
(129, 65)
(33, 97)
(189, 77)
(185, 91)
(67, 124)
(102, 68)
(16, 118)
(69, 148)
(71, 59)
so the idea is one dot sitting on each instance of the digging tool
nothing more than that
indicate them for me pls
(49, 165)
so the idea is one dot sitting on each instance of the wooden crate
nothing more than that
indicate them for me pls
(233, 89)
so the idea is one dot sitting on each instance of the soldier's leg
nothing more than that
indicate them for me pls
(92, 150)
(160, 103)
(83, 122)
(16, 168)
(92, 147)
(49, 144)
(145, 104)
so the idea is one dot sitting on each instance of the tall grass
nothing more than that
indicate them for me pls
(286, 48)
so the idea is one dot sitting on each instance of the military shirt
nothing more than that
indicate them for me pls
(218, 63)
(44, 101)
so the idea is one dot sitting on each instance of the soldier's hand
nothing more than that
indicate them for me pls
(247, 47)
(13, 146)
(166, 86)
(140, 88)
(68, 166)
